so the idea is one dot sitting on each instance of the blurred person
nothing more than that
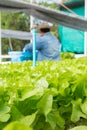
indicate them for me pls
(47, 44)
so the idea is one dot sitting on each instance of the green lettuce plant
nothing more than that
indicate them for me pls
(50, 96)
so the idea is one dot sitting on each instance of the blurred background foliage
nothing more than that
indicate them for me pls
(14, 21)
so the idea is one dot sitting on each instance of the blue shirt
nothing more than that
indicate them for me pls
(48, 47)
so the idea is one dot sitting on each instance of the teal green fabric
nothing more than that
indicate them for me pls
(72, 1)
(72, 40)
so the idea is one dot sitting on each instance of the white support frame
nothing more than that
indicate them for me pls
(31, 17)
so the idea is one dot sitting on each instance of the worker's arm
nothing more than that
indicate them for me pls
(29, 47)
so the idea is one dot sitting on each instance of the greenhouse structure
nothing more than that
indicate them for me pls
(72, 43)
(74, 40)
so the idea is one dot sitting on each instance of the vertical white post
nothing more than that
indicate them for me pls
(85, 34)
(31, 17)
(0, 40)
(31, 21)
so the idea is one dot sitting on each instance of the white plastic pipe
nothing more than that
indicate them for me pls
(31, 17)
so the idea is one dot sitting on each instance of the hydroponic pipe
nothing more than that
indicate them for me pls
(34, 47)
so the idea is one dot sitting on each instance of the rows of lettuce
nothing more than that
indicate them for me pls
(50, 96)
